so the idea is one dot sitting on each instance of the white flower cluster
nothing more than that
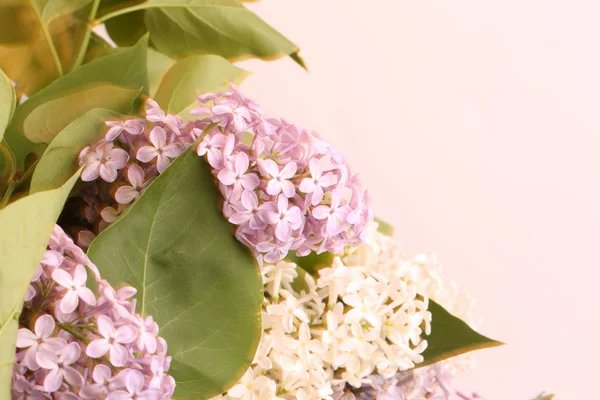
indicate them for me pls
(362, 317)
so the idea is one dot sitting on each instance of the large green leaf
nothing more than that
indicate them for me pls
(450, 336)
(51, 9)
(180, 28)
(193, 76)
(202, 287)
(26, 227)
(8, 102)
(158, 66)
(46, 121)
(126, 68)
(59, 161)
(39, 39)
(125, 29)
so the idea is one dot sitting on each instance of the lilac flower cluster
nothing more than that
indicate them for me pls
(74, 344)
(284, 187)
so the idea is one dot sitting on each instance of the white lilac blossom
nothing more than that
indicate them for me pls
(354, 331)
(285, 188)
(75, 344)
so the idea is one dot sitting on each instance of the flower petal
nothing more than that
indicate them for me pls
(69, 302)
(126, 194)
(108, 172)
(118, 158)
(25, 338)
(90, 171)
(158, 137)
(289, 170)
(118, 355)
(134, 381)
(125, 334)
(321, 212)
(44, 326)
(53, 380)
(86, 295)
(106, 327)
(227, 176)
(146, 153)
(162, 163)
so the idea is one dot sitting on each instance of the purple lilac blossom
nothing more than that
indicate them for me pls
(74, 344)
(285, 188)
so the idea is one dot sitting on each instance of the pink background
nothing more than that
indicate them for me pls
(475, 125)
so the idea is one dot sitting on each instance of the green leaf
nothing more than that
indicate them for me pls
(158, 66)
(125, 29)
(47, 120)
(180, 28)
(201, 285)
(450, 336)
(384, 228)
(126, 68)
(51, 9)
(8, 102)
(193, 76)
(39, 40)
(26, 227)
(313, 262)
(59, 161)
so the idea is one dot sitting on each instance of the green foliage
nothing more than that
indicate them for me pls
(158, 66)
(384, 228)
(48, 119)
(8, 102)
(193, 76)
(90, 83)
(40, 39)
(180, 28)
(313, 262)
(201, 285)
(59, 161)
(26, 227)
(450, 336)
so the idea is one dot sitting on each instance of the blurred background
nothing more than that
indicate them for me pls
(476, 126)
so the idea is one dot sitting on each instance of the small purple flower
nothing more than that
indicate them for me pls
(250, 213)
(317, 182)
(160, 150)
(103, 161)
(59, 366)
(335, 213)
(112, 341)
(279, 181)
(131, 126)
(211, 146)
(126, 194)
(236, 175)
(75, 289)
(135, 389)
(286, 219)
(38, 341)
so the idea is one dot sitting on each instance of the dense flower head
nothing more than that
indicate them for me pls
(354, 331)
(285, 188)
(77, 344)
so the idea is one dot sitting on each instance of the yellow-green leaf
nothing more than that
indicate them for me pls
(384, 228)
(39, 40)
(450, 336)
(59, 161)
(126, 68)
(202, 286)
(26, 227)
(8, 102)
(158, 66)
(47, 120)
(180, 28)
(193, 76)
